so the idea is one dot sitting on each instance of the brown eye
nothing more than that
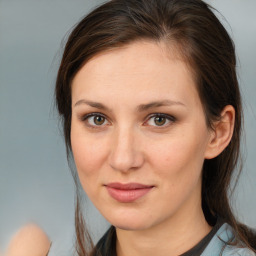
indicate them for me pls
(94, 120)
(99, 120)
(159, 121)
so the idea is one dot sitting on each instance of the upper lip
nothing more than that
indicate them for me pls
(127, 186)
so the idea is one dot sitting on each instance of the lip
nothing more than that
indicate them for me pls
(129, 192)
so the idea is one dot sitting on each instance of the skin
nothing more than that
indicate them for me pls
(131, 146)
(29, 241)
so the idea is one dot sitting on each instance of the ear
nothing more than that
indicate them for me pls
(222, 133)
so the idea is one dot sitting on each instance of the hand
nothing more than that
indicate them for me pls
(29, 241)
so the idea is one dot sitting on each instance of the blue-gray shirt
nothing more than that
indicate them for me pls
(217, 243)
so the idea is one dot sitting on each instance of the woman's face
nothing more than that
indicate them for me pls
(139, 136)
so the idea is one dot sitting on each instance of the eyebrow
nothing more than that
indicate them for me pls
(93, 104)
(139, 108)
(154, 104)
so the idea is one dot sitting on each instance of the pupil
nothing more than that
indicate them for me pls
(98, 120)
(160, 120)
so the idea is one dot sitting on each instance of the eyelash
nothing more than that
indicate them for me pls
(170, 118)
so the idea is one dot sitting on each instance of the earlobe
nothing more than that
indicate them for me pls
(222, 133)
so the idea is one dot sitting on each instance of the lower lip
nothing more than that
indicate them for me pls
(127, 195)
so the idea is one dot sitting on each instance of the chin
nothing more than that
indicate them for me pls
(130, 223)
(131, 227)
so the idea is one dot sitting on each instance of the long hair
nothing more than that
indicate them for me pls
(203, 43)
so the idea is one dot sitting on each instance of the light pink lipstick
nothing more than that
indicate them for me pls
(126, 193)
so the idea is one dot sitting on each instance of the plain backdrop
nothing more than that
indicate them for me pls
(35, 181)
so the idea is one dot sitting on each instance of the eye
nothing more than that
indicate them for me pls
(94, 120)
(160, 119)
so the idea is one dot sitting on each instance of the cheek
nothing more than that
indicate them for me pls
(89, 155)
(86, 154)
(178, 156)
(88, 160)
(177, 164)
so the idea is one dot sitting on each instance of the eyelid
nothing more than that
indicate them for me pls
(168, 117)
(85, 117)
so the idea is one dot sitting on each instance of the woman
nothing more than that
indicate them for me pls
(151, 110)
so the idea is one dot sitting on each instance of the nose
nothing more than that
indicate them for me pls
(125, 154)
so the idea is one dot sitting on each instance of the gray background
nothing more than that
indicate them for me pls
(35, 182)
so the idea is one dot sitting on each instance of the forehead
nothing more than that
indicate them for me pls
(140, 70)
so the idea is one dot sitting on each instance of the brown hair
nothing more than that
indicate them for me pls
(203, 42)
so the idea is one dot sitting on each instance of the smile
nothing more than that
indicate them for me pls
(126, 193)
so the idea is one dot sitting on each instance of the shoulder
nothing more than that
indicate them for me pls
(218, 245)
(238, 252)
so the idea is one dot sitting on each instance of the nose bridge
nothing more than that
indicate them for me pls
(125, 151)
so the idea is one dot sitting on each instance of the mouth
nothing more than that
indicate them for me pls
(127, 193)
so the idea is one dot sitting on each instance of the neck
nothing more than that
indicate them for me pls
(172, 237)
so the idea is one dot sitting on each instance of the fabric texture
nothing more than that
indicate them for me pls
(217, 245)
(200, 247)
